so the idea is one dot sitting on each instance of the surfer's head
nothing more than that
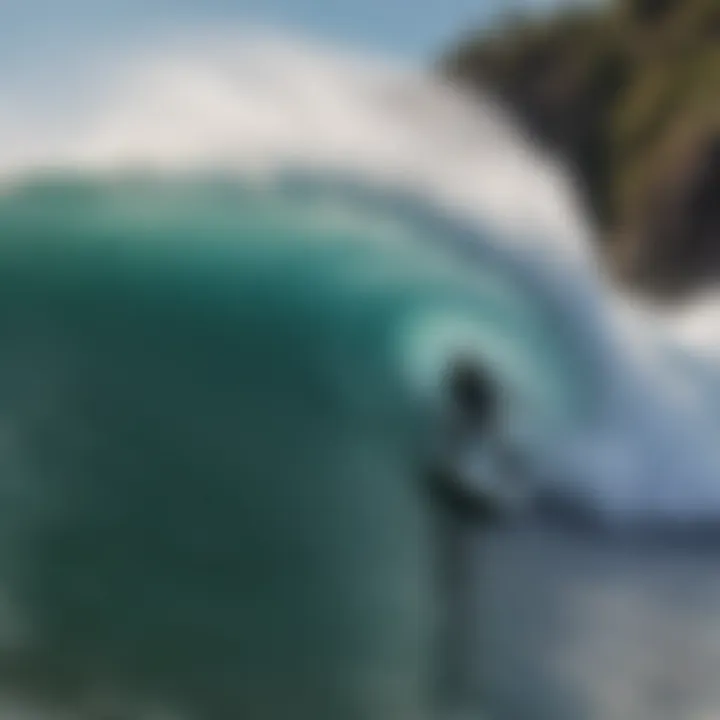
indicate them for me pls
(471, 392)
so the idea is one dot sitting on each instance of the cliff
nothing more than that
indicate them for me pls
(629, 95)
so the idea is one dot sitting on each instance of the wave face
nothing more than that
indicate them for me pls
(259, 257)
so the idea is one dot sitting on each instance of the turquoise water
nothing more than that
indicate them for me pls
(215, 399)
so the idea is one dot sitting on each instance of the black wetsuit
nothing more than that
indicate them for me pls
(449, 495)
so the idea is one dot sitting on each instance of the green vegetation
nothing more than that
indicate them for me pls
(629, 94)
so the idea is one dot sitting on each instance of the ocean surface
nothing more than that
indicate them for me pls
(230, 286)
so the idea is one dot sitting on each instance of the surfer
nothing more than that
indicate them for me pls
(470, 489)
(470, 476)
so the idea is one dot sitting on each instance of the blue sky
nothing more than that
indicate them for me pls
(417, 29)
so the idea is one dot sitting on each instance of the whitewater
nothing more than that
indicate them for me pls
(364, 224)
